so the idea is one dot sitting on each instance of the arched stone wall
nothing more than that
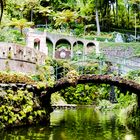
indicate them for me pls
(78, 48)
(55, 38)
(90, 48)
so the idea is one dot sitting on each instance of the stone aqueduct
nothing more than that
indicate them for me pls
(40, 38)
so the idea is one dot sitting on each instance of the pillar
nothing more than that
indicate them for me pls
(54, 50)
(30, 39)
(71, 50)
(97, 47)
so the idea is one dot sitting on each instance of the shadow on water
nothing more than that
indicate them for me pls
(74, 124)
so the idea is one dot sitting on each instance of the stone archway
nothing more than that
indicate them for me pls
(63, 49)
(78, 49)
(90, 48)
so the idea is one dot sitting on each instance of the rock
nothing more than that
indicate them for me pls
(14, 87)
(2, 93)
(30, 88)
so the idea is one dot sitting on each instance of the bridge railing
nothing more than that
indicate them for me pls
(109, 65)
(60, 72)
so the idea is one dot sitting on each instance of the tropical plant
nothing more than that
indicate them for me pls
(64, 17)
(45, 12)
(21, 24)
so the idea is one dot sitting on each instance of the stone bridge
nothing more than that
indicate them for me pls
(126, 85)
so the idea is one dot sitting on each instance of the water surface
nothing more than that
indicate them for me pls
(75, 124)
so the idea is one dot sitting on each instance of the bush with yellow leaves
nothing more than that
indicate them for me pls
(72, 76)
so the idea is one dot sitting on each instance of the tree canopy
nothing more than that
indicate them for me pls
(106, 15)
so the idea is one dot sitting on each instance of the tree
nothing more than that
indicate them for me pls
(97, 19)
(64, 17)
(1, 8)
(21, 24)
(45, 11)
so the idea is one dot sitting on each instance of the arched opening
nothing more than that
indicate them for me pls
(90, 48)
(63, 43)
(37, 43)
(78, 50)
(49, 44)
(63, 49)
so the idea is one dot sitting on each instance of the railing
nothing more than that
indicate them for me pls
(113, 64)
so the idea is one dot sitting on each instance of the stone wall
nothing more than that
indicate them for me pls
(21, 59)
(118, 51)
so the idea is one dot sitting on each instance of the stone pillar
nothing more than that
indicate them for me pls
(43, 47)
(71, 50)
(54, 49)
(30, 39)
(97, 47)
(85, 49)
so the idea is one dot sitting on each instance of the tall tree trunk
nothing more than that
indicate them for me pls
(114, 13)
(117, 12)
(97, 19)
(1, 8)
(128, 9)
(31, 14)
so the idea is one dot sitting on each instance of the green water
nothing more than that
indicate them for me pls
(75, 124)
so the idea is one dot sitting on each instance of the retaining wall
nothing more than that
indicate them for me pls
(20, 58)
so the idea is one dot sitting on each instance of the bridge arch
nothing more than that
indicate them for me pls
(128, 85)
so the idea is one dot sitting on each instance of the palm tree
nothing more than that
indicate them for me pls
(45, 11)
(21, 24)
(64, 17)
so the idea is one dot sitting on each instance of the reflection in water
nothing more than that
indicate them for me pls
(75, 124)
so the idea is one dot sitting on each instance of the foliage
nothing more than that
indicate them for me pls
(112, 14)
(13, 36)
(64, 17)
(57, 99)
(72, 76)
(52, 70)
(21, 24)
(134, 75)
(15, 78)
(19, 108)
(85, 94)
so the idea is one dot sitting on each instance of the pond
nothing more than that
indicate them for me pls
(84, 123)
